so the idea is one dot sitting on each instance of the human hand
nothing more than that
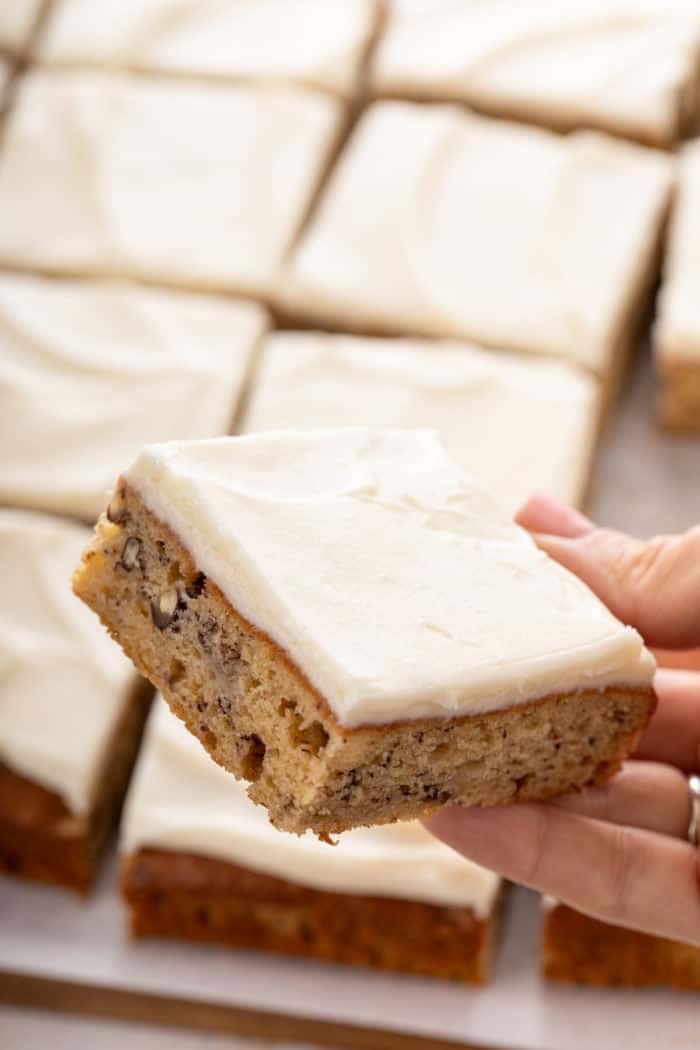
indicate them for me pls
(618, 852)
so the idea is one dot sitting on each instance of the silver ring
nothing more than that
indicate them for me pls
(694, 826)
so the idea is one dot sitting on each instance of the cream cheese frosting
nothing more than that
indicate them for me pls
(438, 222)
(63, 682)
(678, 326)
(17, 21)
(629, 66)
(175, 182)
(389, 576)
(496, 413)
(181, 800)
(90, 372)
(316, 42)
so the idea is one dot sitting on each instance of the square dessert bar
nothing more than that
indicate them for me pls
(677, 330)
(631, 68)
(438, 222)
(476, 399)
(71, 710)
(578, 949)
(319, 43)
(195, 349)
(348, 620)
(201, 862)
(180, 183)
(159, 365)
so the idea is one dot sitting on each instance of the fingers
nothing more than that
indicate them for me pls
(544, 514)
(644, 795)
(653, 585)
(683, 659)
(617, 874)
(673, 735)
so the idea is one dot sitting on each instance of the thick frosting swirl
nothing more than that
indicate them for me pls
(181, 800)
(390, 577)
(63, 682)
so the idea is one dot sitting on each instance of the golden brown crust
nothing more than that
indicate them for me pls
(41, 840)
(203, 899)
(577, 949)
(258, 716)
(678, 402)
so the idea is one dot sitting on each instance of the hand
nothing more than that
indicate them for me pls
(618, 852)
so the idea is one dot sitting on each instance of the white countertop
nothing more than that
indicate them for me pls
(36, 1030)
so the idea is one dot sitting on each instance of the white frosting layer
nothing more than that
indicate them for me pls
(17, 20)
(91, 372)
(496, 413)
(63, 682)
(181, 800)
(678, 327)
(315, 42)
(389, 576)
(165, 180)
(442, 223)
(621, 65)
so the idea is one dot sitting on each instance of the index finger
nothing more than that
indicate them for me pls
(652, 585)
(673, 735)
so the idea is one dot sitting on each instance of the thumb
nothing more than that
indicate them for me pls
(652, 585)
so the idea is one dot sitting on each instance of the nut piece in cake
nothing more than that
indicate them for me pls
(348, 620)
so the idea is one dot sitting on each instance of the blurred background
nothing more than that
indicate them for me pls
(227, 216)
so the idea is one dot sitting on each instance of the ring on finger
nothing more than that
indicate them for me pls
(694, 826)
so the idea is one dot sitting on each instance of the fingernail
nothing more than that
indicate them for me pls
(549, 516)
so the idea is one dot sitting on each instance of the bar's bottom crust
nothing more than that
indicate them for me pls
(259, 717)
(678, 401)
(41, 839)
(577, 949)
(180, 895)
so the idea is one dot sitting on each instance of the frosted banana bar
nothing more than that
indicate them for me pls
(348, 620)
